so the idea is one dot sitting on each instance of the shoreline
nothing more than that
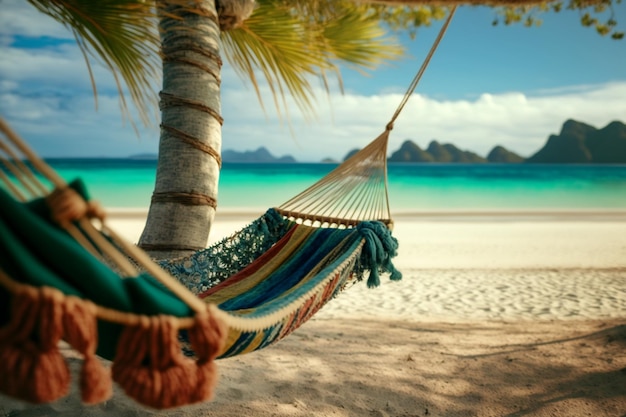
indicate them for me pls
(505, 241)
(442, 215)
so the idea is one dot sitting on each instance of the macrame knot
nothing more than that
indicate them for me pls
(80, 325)
(152, 369)
(66, 205)
(31, 365)
(380, 246)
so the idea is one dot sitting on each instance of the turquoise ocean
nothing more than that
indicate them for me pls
(128, 183)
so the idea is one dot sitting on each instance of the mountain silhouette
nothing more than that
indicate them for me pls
(581, 143)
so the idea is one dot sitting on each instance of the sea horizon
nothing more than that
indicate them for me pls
(123, 183)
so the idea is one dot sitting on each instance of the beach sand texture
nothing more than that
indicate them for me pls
(495, 316)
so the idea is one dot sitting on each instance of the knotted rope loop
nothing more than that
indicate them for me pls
(208, 338)
(147, 368)
(80, 327)
(193, 142)
(183, 46)
(170, 100)
(208, 335)
(188, 199)
(66, 206)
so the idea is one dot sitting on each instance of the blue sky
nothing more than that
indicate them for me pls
(486, 86)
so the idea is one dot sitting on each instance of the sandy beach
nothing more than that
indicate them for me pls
(498, 314)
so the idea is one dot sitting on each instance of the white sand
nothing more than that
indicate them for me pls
(505, 267)
(497, 315)
(494, 241)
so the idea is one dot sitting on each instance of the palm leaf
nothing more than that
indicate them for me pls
(122, 35)
(291, 43)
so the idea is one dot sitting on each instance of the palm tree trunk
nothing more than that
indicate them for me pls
(185, 196)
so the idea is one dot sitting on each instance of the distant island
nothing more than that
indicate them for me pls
(261, 155)
(577, 143)
(581, 143)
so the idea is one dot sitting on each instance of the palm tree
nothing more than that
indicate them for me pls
(188, 42)
(277, 39)
(288, 41)
(185, 195)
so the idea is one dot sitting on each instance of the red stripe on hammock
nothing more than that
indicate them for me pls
(253, 267)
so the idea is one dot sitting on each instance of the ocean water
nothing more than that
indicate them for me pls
(127, 183)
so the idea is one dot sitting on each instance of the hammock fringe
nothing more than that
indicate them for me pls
(151, 368)
(31, 364)
(149, 365)
(380, 246)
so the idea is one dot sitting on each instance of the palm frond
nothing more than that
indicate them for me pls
(291, 43)
(121, 34)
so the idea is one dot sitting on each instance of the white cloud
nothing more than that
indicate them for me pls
(61, 68)
(69, 124)
(19, 17)
(515, 120)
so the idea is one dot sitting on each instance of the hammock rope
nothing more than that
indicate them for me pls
(422, 69)
(357, 189)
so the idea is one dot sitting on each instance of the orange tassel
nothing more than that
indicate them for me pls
(150, 366)
(81, 333)
(31, 365)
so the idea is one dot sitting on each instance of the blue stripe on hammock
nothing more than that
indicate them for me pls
(286, 298)
(308, 255)
(241, 344)
(271, 335)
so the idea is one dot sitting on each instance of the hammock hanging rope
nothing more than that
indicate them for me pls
(63, 278)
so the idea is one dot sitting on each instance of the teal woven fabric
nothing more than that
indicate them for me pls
(34, 251)
(206, 268)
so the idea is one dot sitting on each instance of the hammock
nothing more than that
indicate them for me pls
(63, 278)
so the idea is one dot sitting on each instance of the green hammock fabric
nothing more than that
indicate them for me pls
(33, 250)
